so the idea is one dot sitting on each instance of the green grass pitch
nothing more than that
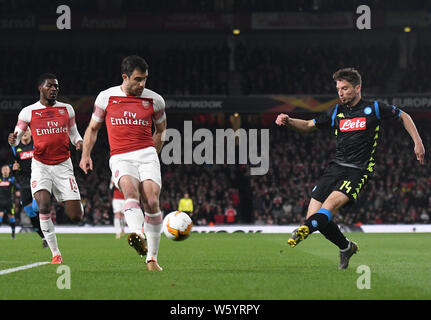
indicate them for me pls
(219, 266)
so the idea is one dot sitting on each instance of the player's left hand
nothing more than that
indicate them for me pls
(12, 138)
(420, 153)
(78, 145)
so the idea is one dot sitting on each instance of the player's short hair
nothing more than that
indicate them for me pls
(351, 75)
(43, 77)
(130, 63)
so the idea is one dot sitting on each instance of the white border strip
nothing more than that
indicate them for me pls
(27, 266)
(377, 228)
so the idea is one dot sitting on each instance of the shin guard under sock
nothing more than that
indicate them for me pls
(319, 220)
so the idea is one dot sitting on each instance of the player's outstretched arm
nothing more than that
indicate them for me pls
(410, 126)
(296, 124)
(90, 138)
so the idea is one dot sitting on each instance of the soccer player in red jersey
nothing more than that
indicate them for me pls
(356, 123)
(52, 125)
(118, 209)
(129, 111)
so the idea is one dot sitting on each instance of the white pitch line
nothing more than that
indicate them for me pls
(27, 266)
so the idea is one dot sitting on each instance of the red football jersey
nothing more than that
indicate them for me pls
(129, 119)
(50, 127)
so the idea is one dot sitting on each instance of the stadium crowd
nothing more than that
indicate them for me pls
(206, 70)
(395, 195)
(173, 71)
(414, 78)
(273, 70)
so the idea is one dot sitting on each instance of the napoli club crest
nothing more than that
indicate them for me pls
(368, 110)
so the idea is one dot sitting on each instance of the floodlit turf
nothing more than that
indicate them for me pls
(219, 267)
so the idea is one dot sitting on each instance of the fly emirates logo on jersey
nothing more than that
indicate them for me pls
(52, 128)
(354, 124)
(130, 118)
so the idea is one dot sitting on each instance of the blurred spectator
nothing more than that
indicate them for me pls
(399, 193)
(219, 217)
(230, 214)
(186, 205)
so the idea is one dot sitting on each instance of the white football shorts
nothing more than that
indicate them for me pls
(118, 205)
(57, 179)
(142, 164)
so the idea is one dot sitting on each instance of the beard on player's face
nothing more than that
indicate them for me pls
(349, 97)
(49, 95)
(134, 89)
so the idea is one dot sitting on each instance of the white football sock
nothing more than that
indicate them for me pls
(122, 223)
(48, 230)
(117, 225)
(153, 228)
(134, 216)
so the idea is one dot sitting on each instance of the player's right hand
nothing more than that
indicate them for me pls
(420, 153)
(86, 164)
(12, 138)
(282, 119)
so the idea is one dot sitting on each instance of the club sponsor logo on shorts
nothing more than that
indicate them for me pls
(354, 124)
(117, 172)
(34, 183)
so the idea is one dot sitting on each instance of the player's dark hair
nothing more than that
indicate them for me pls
(43, 77)
(351, 75)
(130, 63)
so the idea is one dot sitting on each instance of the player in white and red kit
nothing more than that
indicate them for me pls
(52, 125)
(129, 111)
(118, 209)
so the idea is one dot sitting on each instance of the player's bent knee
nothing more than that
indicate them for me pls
(44, 208)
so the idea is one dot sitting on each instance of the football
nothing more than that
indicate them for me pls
(177, 225)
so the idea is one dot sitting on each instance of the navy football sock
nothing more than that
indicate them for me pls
(319, 220)
(333, 233)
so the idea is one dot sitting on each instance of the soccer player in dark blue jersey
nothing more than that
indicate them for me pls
(22, 158)
(356, 124)
(7, 191)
